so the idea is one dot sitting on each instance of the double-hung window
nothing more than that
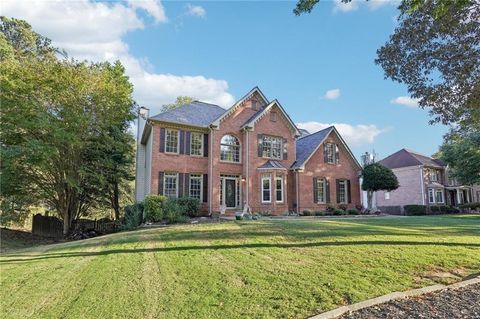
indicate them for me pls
(195, 190)
(434, 175)
(342, 189)
(196, 144)
(321, 190)
(279, 189)
(330, 153)
(171, 141)
(431, 196)
(266, 188)
(272, 147)
(439, 196)
(170, 185)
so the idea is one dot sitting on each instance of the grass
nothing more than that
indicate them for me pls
(256, 269)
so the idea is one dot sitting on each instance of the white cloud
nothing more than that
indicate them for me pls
(152, 7)
(196, 11)
(354, 135)
(375, 4)
(332, 94)
(345, 7)
(94, 31)
(406, 101)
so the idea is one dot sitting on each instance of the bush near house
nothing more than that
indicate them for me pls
(174, 213)
(153, 206)
(474, 206)
(353, 211)
(133, 215)
(189, 206)
(307, 212)
(415, 210)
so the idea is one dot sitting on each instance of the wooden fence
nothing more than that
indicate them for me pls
(49, 226)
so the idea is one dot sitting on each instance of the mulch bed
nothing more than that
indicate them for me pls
(461, 303)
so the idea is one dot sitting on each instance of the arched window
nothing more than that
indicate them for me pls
(230, 149)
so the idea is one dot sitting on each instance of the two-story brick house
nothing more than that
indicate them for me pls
(423, 180)
(251, 155)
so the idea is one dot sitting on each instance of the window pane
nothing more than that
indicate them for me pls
(195, 186)
(330, 149)
(170, 185)
(343, 192)
(230, 149)
(196, 144)
(266, 188)
(171, 141)
(279, 189)
(321, 190)
(272, 147)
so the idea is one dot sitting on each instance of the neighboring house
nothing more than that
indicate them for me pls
(423, 180)
(250, 156)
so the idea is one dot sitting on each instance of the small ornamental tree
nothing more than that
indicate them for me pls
(377, 177)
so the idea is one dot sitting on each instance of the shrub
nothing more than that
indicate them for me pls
(415, 210)
(133, 215)
(470, 206)
(338, 212)
(319, 213)
(353, 211)
(452, 210)
(189, 206)
(343, 207)
(307, 212)
(173, 212)
(440, 209)
(153, 206)
(330, 208)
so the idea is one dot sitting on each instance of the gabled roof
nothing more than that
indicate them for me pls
(216, 122)
(405, 158)
(307, 145)
(250, 123)
(195, 113)
(270, 164)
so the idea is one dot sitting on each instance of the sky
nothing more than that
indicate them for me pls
(320, 66)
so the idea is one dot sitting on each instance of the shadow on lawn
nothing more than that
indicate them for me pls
(237, 246)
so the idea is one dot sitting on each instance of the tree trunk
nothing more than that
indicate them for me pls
(115, 201)
(369, 199)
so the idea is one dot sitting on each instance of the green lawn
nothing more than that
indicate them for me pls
(254, 269)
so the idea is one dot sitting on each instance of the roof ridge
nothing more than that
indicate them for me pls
(315, 132)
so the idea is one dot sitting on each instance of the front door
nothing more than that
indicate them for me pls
(230, 193)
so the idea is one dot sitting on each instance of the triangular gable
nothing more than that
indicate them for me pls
(334, 130)
(253, 120)
(239, 103)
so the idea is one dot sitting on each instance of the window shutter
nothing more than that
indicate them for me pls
(285, 149)
(160, 183)
(315, 190)
(260, 145)
(337, 154)
(325, 157)
(162, 139)
(205, 145)
(182, 141)
(349, 192)
(180, 184)
(187, 185)
(188, 136)
(338, 190)
(205, 188)
(327, 190)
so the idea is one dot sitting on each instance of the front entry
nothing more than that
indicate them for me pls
(230, 191)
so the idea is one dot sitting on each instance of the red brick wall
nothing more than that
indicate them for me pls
(316, 167)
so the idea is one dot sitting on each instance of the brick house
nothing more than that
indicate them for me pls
(423, 180)
(250, 156)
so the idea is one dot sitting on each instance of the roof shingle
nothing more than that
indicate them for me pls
(306, 145)
(404, 158)
(195, 113)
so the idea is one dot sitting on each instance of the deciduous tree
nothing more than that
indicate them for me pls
(377, 177)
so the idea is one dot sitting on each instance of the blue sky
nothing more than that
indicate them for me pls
(217, 51)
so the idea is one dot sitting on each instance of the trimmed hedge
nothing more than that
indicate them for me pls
(352, 211)
(307, 212)
(415, 210)
(189, 206)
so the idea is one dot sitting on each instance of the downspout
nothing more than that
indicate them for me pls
(210, 177)
(247, 177)
(296, 191)
(422, 183)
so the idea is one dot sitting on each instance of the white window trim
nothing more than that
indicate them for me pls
(281, 179)
(387, 195)
(432, 191)
(201, 143)
(178, 141)
(269, 179)
(200, 177)
(239, 151)
(176, 183)
(443, 197)
(271, 147)
(344, 182)
(334, 155)
(324, 182)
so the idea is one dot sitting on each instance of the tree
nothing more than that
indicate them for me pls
(461, 151)
(435, 51)
(181, 100)
(55, 114)
(377, 177)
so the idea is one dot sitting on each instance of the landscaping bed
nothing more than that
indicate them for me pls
(461, 303)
